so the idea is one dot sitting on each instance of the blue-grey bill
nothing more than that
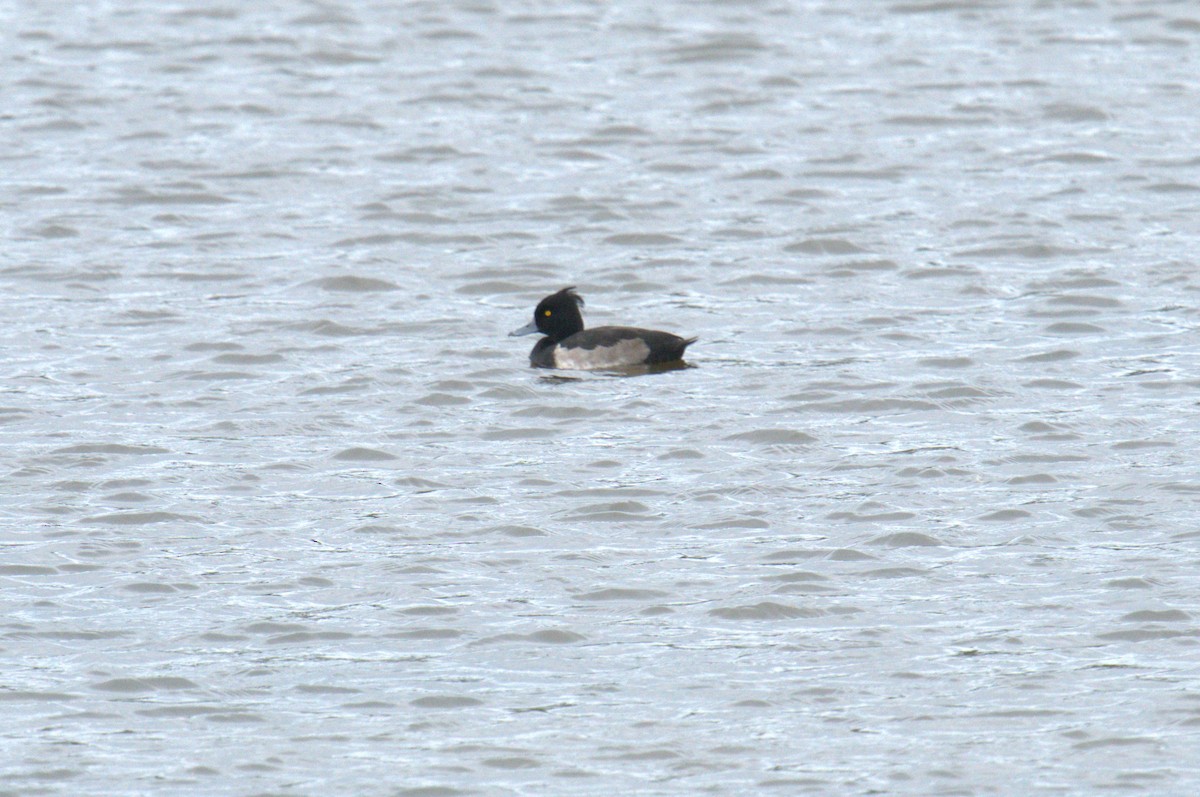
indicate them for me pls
(528, 329)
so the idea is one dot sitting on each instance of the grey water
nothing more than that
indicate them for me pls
(285, 512)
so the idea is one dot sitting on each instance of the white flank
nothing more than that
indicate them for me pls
(627, 352)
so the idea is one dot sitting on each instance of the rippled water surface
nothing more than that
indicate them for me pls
(285, 512)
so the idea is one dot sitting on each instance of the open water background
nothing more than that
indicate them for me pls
(285, 512)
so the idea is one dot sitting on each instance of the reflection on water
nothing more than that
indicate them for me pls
(280, 486)
(627, 370)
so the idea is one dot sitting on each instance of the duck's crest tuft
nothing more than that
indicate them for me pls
(572, 295)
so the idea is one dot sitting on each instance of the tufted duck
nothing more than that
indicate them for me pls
(568, 345)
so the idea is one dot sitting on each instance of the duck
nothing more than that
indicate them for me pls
(567, 345)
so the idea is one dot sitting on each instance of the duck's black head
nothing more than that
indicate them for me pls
(557, 316)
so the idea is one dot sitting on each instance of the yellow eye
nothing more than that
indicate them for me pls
(546, 313)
